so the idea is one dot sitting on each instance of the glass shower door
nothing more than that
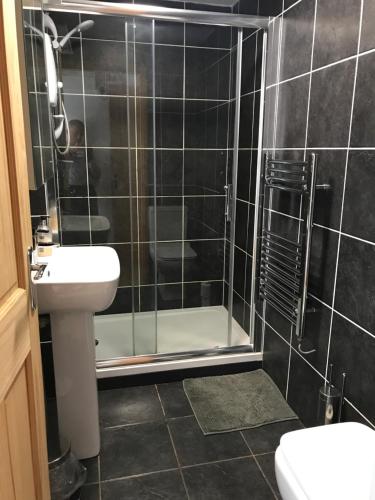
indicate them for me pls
(180, 112)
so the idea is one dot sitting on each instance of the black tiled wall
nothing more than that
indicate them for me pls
(320, 98)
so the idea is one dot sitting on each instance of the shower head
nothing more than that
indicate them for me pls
(85, 25)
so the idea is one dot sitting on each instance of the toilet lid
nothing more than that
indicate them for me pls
(333, 462)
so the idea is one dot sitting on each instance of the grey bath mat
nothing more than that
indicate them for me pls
(234, 402)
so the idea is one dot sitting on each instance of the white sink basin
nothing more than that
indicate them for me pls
(78, 279)
(77, 282)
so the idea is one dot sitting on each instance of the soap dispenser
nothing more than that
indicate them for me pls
(43, 237)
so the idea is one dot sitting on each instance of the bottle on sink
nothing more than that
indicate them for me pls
(43, 237)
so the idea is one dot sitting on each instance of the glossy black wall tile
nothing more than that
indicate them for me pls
(303, 389)
(114, 216)
(363, 119)
(276, 358)
(207, 36)
(206, 124)
(106, 121)
(169, 71)
(352, 351)
(208, 293)
(358, 218)
(328, 201)
(328, 107)
(75, 221)
(367, 35)
(297, 32)
(292, 113)
(104, 67)
(108, 171)
(208, 263)
(248, 73)
(336, 31)
(204, 172)
(323, 263)
(207, 73)
(316, 334)
(356, 282)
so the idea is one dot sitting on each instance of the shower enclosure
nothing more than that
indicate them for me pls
(156, 103)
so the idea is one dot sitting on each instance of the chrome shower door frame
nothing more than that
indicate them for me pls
(198, 357)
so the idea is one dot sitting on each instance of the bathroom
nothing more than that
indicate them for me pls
(186, 244)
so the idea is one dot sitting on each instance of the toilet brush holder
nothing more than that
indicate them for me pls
(329, 405)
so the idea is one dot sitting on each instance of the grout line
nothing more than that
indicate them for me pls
(177, 459)
(99, 477)
(265, 477)
(360, 413)
(136, 476)
(241, 457)
(257, 463)
(160, 401)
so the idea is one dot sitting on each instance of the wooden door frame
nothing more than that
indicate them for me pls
(18, 145)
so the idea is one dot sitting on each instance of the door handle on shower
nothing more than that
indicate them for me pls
(228, 202)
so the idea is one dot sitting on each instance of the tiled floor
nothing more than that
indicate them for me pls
(153, 448)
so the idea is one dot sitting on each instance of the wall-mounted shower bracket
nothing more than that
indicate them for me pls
(228, 201)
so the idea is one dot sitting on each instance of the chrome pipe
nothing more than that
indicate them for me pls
(294, 271)
(268, 271)
(268, 287)
(309, 228)
(233, 190)
(258, 209)
(282, 238)
(290, 313)
(174, 356)
(296, 260)
(265, 277)
(277, 269)
(152, 12)
(295, 252)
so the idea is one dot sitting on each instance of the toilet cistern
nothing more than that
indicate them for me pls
(76, 283)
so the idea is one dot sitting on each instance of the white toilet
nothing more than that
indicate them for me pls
(332, 462)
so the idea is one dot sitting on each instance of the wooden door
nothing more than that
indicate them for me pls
(23, 455)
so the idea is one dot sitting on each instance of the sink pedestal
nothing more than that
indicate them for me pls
(73, 345)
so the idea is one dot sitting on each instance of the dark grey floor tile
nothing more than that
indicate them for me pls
(267, 438)
(193, 447)
(174, 400)
(129, 405)
(163, 485)
(234, 479)
(90, 492)
(136, 449)
(92, 467)
(267, 464)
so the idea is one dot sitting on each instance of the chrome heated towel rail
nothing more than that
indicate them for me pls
(284, 260)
